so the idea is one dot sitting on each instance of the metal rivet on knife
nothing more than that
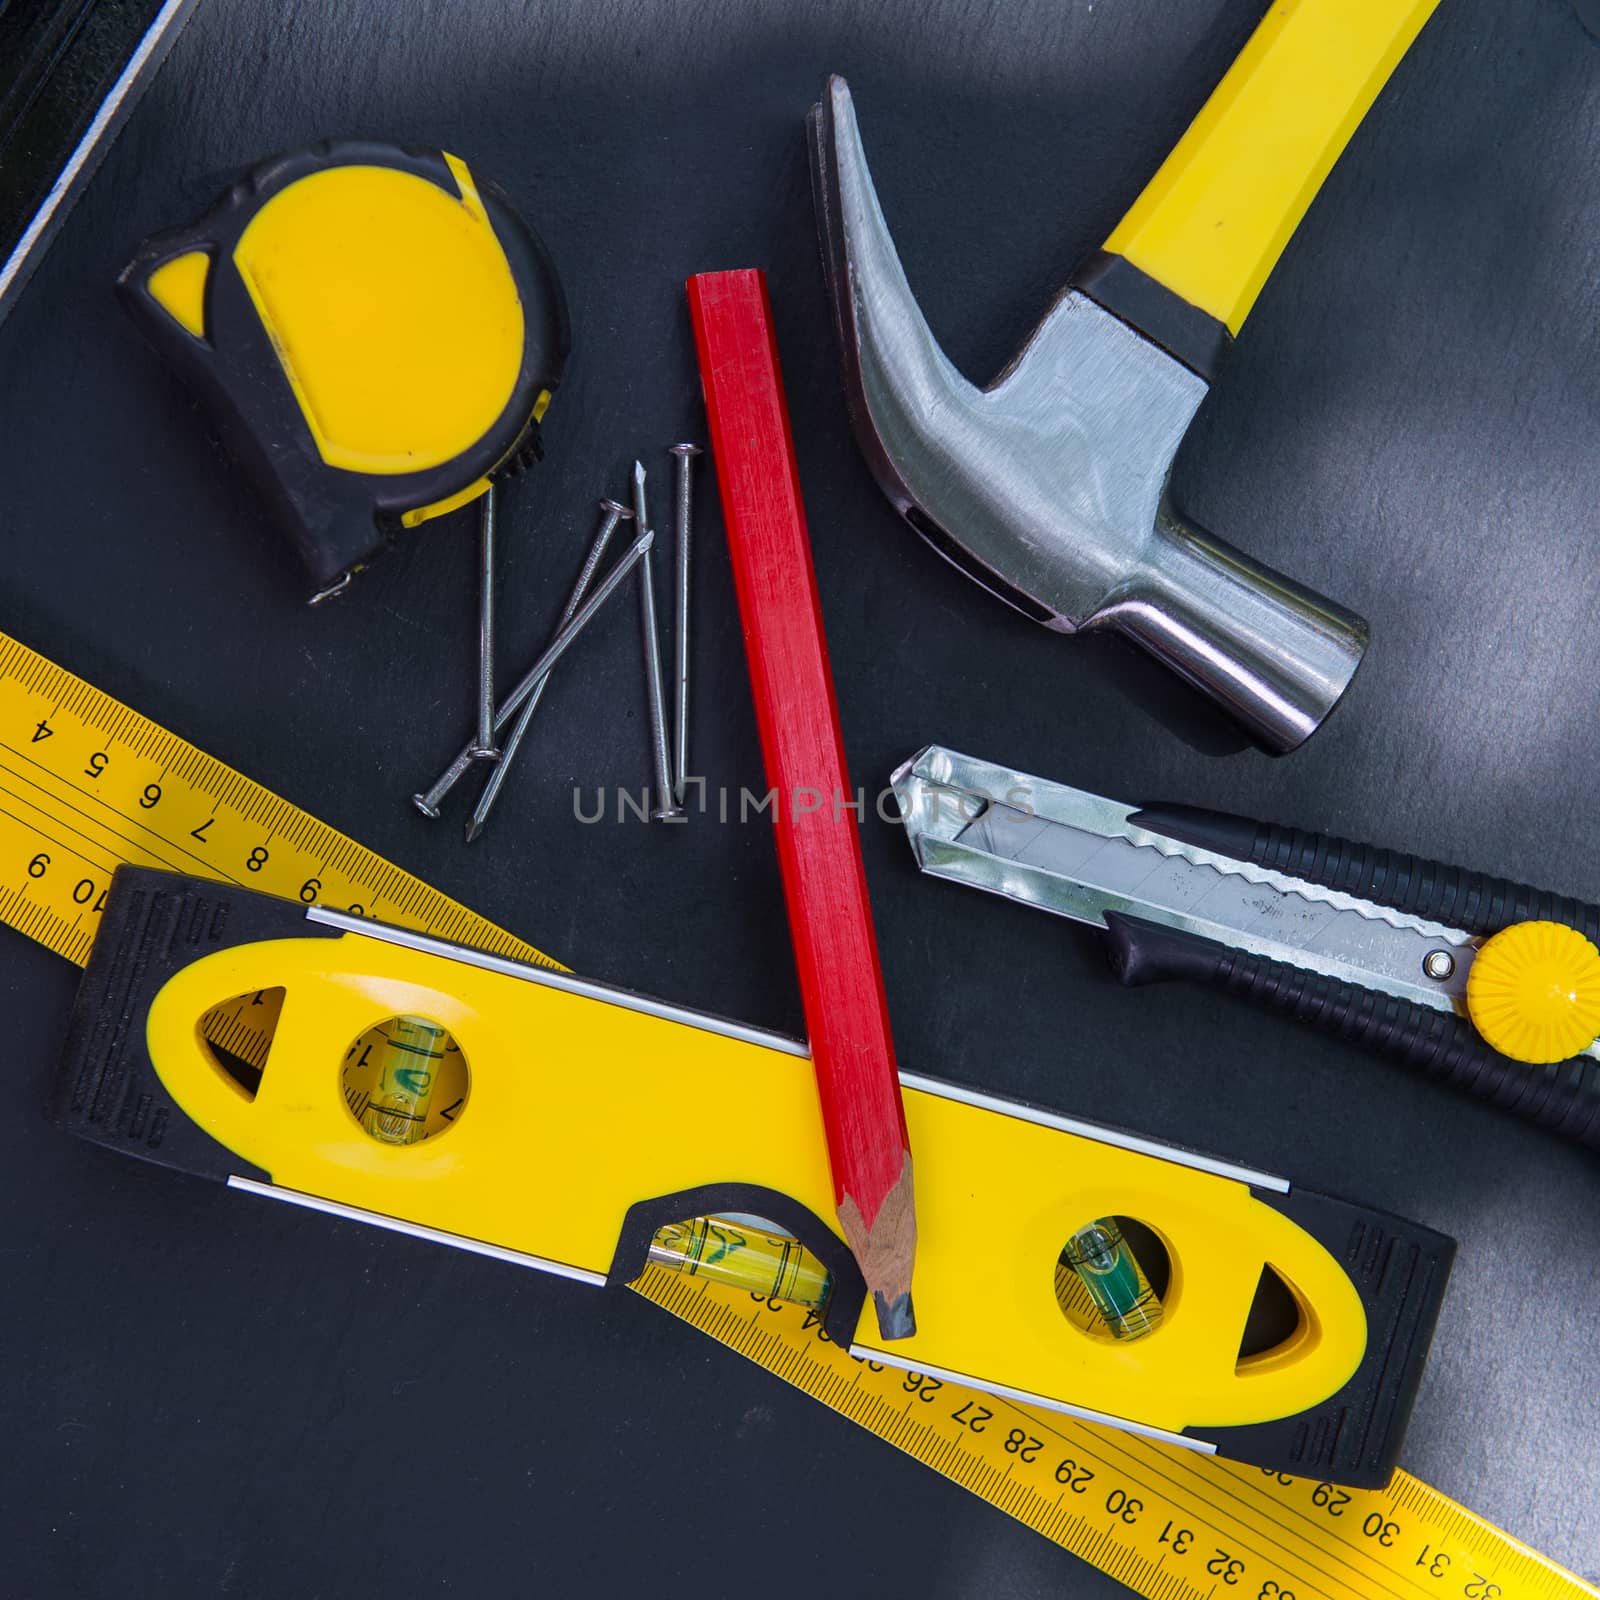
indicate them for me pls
(1439, 964)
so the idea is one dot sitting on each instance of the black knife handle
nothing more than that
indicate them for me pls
(1438, 1044)
(1471, 901)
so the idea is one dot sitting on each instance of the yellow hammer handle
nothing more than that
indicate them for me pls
(1216, 217)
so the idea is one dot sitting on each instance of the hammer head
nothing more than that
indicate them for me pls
(1049, 487)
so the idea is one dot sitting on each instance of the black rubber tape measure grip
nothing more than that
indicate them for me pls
(376, 331)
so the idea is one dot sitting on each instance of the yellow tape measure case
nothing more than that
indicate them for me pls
(377, 332)
(556, 1137)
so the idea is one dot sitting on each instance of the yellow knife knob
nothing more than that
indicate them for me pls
(1534, 992)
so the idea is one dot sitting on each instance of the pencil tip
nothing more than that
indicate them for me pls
(896, 1319)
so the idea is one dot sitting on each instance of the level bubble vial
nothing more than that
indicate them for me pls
(405, 1080)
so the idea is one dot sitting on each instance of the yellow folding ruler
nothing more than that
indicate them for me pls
(87, 784)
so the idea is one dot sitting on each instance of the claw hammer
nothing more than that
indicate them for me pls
(1050, 486)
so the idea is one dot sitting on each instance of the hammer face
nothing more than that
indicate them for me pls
(1049, 487)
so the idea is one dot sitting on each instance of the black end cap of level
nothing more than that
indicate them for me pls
(1400, 1270)
(155, 923)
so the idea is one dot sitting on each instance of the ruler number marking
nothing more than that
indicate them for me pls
(50, 838)
(1438, 1564)
(1122, 1506)
(1226, 1566)
(54, 804)
(1376, 1526)
(973, 1416)
(1331, 1499)
(1024, 1446)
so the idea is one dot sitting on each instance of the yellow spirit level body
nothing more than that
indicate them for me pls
(591, 1116)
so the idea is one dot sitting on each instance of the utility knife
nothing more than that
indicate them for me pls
(1490, 986)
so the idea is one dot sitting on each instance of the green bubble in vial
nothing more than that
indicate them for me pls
(766, 1263)
(1110, 1272)
(408, 1070)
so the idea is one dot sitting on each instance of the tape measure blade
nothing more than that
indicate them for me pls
(87, 785)
(1169, 1523)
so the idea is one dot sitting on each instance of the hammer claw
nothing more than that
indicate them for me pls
(1050, 486)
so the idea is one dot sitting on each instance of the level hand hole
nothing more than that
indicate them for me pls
(237, 1036)
(405, 1080)
(1110, 1278)
(1275, 1318)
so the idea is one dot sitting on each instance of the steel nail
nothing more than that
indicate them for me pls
(666, 809)
(484, 748)
(614, 514)
(428, 803)
(639, 516)
(680, 624)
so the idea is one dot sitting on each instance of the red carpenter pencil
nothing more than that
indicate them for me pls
(819, 853)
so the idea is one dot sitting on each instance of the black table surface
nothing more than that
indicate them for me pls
(205, 1395)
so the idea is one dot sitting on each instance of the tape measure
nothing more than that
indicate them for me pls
(376, 331)
(87, 784)
(1168, 1524)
